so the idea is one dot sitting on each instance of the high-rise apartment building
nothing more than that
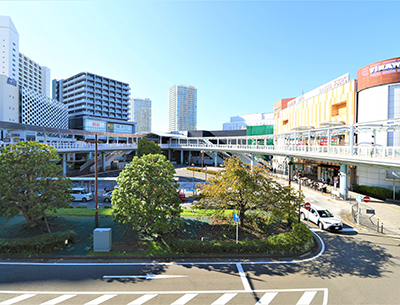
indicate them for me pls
(33, 76)
(182, 108)
(95, 102)
(18, 66)
(9, 47)
(142, 114)
(25, 85)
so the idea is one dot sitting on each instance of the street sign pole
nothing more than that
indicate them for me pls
(307, 206)
(236, 218)
(237, 232)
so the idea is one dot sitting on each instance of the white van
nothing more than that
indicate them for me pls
(81, 194)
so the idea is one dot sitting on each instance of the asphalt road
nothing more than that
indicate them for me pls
(354, 268)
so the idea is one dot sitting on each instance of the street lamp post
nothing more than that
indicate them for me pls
(96, 214)
(193, 176)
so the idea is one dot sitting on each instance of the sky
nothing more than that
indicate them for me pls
(242, 56)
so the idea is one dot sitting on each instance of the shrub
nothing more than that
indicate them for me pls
(297, 240)
(202, 170)
(42, 244)
(375, 191)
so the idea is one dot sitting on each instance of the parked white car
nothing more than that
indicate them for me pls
(81, 194)
(321, 217)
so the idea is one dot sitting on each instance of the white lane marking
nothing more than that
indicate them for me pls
(147, 277)
(2, 292)
(184, 299)
(59, 299)
(243, 277)
(222, 300)
(306, 298)
(101, 299)
(267, 298)
(18, 299)
(143, 299)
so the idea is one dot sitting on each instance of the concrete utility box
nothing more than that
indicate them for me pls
(102, 240)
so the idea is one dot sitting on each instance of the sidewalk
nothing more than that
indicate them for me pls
(388, 213)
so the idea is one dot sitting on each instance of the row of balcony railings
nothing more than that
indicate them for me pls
(75, 90)
(78, 80)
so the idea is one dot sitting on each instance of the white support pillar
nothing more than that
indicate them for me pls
(103, 161)
(351, 140)
(64, 164)
(252, 161)
(343, 181)
(329, 141)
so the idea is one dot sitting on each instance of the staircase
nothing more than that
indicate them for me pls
(109, 158)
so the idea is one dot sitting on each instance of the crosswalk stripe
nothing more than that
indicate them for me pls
(18, 299)
(306, 298)
(184, 299)
(101, 299)
(267, 298)
(59, 299)
(143, 299)
(225, 298)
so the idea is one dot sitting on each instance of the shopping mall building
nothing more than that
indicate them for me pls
(373, 96)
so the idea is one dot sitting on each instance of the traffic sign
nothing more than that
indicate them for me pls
(236, 217)
(336, 178)
(366, 199)
(307, 206)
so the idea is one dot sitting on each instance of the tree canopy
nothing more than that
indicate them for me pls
(146, 196)
(240, 188)
(146, 147)
(31, 181)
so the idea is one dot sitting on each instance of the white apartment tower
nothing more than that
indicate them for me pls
(9, 46)
(182, 108)
(16, 65)
(142, 114)
(33, 76)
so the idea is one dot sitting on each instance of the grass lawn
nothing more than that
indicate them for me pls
(108, 212)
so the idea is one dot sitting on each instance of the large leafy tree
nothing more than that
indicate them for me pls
(146, 197)
(31, 181)
(146, 147)
(240, 188)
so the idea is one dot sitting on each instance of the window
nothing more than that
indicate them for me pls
(339, 109)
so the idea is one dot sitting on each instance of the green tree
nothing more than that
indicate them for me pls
(240, 188)
(146, 147)
(31, 181)
(146, 197)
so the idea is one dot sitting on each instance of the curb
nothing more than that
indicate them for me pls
(206, 257)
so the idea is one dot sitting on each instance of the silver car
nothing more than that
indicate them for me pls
(107, 196)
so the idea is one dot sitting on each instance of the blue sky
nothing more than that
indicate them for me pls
(242, 56)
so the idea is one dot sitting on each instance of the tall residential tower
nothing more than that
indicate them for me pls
(182, 108)
(142, 114)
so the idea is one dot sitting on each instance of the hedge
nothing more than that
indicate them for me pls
(375, 191)
(200, 170)
(297, 240)
(42, 244)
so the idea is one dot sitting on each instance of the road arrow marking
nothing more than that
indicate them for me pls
(147, 277)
